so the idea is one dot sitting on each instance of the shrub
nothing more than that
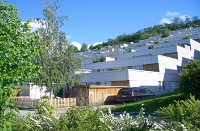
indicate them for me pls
(113, 69)
(103, 59)
(133, 56)
(156, 42)
(141, 45)
(190, 78)
(45, 97)
(95, 61)
(180, 44)
(116, 58)
(166, 33)
(186, 112)
(167, 41)
(151, 47)
(186, 37)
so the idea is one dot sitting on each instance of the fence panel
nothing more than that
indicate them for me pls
(57, 102)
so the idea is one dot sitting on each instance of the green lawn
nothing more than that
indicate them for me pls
(151, 104)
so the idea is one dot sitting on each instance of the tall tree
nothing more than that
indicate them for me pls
(59, 66)
(84, 47)
(17, 51)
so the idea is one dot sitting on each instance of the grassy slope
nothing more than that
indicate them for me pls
(150, 104)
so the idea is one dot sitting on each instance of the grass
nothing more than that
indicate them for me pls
(151, 104)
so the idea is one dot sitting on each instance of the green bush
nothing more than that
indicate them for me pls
(190, 78)
(151, 47)
(166, 33)
(86, 118)
(113, 69)
(186, 112)
(167, 41)
(156, 42)
(103, 59)
(186, 37)
(45, 97)
(95, 61)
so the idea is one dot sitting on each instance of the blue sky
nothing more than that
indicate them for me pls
(95, 21)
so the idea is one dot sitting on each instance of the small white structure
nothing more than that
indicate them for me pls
(33, 91)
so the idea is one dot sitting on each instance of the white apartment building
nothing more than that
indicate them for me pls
(135, 65)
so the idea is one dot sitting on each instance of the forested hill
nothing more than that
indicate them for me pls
(163, 30)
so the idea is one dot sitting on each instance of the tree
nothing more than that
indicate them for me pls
(59, 66)
(84, 47)
(91, 47)
(166, 32)
(73, 48)
(190, 78)
(17, 51)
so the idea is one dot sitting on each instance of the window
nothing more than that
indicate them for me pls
(138, 67)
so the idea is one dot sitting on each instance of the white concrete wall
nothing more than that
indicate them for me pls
(106, 76)
(121, 63)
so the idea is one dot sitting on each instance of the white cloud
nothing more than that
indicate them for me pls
(97, 43)
(169, 13)
(77, 44)
(165, 20)
(68, 37)
(183, 17)
(35, 25)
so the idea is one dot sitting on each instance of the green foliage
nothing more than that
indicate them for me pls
(151, 47)
(167, 41)
(57, 60)
(133, 56)
(17, 52)
(187, 112)
(81, 118)
(190, 78)
(186, 37)
(156, 42)
(91, 47)
(95, 61)
(141, 45)
(110, 49)
(151, 104)
(103, 58)
(7, 115)
(116, 58)
(180, 44)
(84, 47)
(163, 30)
(166, 33)
(113, 69)
(45, 118)
(17, 47)
(73, 48)
(45, 97)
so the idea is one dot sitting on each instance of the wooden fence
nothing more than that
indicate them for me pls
(33, 103)
(61, 102)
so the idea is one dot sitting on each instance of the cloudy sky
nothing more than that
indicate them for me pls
(95, 21)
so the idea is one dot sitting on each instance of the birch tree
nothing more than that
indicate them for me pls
(59, 66)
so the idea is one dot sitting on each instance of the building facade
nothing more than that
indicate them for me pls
(138, 65)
